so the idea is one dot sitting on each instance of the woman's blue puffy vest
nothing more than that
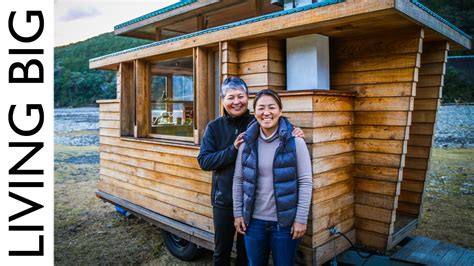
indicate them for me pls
(285, 178)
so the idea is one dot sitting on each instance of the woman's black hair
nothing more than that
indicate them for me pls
(270, 93)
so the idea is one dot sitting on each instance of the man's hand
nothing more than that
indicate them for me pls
(297, 133)
(239, 140)
(240, 225)
(298, 230)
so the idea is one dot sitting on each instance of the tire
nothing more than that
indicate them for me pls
(179, 247)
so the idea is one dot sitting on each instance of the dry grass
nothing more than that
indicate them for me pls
(448, 209)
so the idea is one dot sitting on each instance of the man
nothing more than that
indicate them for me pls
(218, 153)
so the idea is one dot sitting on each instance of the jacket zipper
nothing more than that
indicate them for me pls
(274, 190)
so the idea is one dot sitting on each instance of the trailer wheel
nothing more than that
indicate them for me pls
(179, 247)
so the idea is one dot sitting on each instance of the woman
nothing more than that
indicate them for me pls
(217, 154)
(272, 185)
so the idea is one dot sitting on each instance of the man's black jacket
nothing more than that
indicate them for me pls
(218, 154)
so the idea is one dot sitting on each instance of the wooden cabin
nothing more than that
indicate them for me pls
(362, 78)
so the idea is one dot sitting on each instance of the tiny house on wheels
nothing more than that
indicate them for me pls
(362, 78)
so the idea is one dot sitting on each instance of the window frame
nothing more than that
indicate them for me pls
(135, 81)
(169, 81)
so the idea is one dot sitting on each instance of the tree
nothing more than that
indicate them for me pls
(77, 85)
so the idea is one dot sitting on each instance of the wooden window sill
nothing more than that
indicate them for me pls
(168, 142)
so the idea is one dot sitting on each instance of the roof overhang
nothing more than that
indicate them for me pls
(144, 26)
(429, 19)
(334, 18)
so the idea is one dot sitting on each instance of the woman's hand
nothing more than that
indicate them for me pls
(240, 225)
(239, 140)
(298, 230)
(297, 133)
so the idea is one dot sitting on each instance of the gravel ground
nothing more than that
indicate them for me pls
(455, 127)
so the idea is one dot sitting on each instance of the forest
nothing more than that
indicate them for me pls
(76, 85)
(458, 82)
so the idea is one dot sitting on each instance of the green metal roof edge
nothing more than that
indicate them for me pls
(438, 17)
(222, 27)
(256, 19)
(156, 12)
(460, 56)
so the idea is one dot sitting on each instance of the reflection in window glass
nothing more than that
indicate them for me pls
(183, 88)
(172, 98)
(159, 84)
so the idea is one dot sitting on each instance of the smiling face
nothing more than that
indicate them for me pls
(267, 113)
(235, 102)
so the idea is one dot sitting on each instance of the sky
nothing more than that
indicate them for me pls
(78, 20)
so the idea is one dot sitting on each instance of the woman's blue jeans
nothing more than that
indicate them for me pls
(263, 236)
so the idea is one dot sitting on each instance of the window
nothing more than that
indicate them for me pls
(161, 97)
(172, 99)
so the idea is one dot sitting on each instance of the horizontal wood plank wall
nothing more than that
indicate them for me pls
(332, 154)
(327, 120)
(168, 180)
(163, 178)
(229, 59)
(260, 63)
(427, 101)
(383, 73)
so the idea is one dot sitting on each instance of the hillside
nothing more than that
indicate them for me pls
(74, 83)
